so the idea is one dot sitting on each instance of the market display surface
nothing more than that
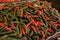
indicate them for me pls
(29, 21)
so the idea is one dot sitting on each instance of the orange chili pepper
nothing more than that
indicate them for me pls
(41, 23)
(34, 29)
(41, 6)
(33, 22)
(49, 29)
(38, 11)
(27, 25)
(23, 31)
(29, 4)
(38, 23)
(47, 18)
(21, 13)
(42, 32)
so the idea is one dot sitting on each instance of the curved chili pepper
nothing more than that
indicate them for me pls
(29, 4)
(49, 29)
(7, 29)
(34, 29)
(42, 32)
(56, 25)
(33, 22)
(28, 24)
(47, 18)
(23, 31)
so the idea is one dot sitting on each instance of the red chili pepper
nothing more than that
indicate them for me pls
(42, 32)
(23, 31)
(33, 22)
(49, 29)
(47, 18)
(29, 4)
(28, 16)
(41, 6)
(7, 29)
(38, 11)
(12, 24)
(28, 25)
(21, 13)
(38, 23)
(34, 29)
(56, 25)
(41, 23)
(1, 24)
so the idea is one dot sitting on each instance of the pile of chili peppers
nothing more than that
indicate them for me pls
(29, 21)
